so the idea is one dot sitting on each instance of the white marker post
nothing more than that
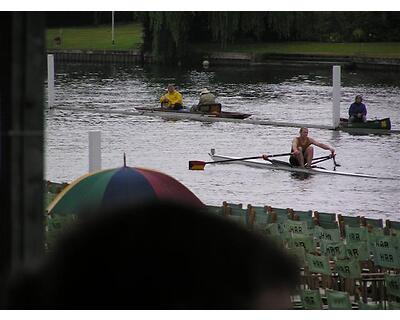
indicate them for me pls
(336, 96)
(94, 151)
(50, 80)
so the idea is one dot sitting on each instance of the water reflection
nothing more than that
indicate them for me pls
(300, 175)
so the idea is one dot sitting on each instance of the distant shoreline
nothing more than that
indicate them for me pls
(94, 45)
(229, 58)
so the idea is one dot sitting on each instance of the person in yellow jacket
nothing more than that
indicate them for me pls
(172, 99)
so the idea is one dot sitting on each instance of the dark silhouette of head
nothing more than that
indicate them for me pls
(158, 256)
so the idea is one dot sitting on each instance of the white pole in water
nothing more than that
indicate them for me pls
(50, 80)
(336, 96)
(94, 151)
(112, 27)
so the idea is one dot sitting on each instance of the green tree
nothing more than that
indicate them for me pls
(166, 35)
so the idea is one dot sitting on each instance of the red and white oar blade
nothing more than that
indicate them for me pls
(196, 165)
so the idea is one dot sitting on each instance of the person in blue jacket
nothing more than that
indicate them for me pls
(358, 111)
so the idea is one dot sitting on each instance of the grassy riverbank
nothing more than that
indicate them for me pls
(129, 36)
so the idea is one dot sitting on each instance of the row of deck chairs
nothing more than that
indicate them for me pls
(346, 262)
(260, 215)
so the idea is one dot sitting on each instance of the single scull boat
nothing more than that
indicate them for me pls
(282, 165)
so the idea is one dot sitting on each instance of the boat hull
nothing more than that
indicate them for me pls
(222, 114)
(383, 124)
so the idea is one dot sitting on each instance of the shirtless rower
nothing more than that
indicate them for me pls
(303, 150)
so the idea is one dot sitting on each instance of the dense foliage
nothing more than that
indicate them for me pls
(167, 34)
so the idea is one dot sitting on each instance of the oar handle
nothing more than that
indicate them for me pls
(279, 154)
(324, 157)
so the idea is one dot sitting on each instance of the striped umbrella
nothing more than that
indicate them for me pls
(117, 187)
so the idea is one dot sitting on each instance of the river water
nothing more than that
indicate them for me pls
(276, 93)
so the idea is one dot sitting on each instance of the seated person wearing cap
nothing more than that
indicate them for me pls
(358, 111)
(172, 99)
(207, 103)
(206, 97)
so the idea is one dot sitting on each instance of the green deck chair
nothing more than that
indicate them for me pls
(318, 264)
(215, 210)
(381, 240)
(326, 220)
(350, 220)
(348, 269)
(376, 223)
(239, 215)
(387, 258)
(321, 234)
(358, 251)
(392, 305)
(306, 216)
(296, 240)
(392, 284)
(338, 300)
(299, 254)
(297, 227)
(260, 217)
(393, 225)
(232, 205)
(369, 306)
(281, 214)
(333, 249)
(355, 234)
(273, 231)
(311, 299)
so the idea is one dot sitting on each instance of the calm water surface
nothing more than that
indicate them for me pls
(294, 94)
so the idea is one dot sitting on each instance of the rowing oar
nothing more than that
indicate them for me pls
(199, 165)
(320, 159)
